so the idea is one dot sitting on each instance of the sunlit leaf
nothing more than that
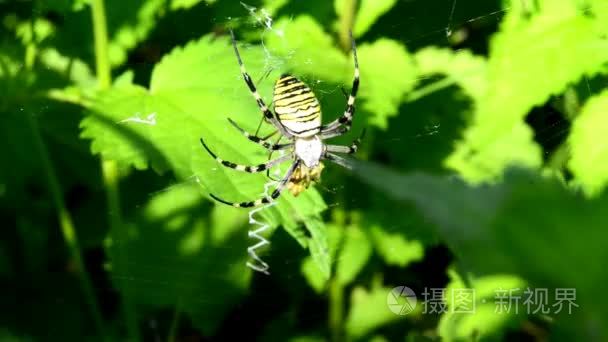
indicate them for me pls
(394, 247)
(308, 50)
(527, 64)
(589, 161)
(384, 88)
(369, 311)
(479, 310)
(177, 251)
(355, 251)
(186, 4)
(459, 67)
(128, 32)
(318, 280)
(369, 12)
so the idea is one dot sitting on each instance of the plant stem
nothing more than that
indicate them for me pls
(67, 227)
(110, 179)
(100, 32)
(336, 292)
(175, 321)
(63, 215)
(110, 167)
(347, 21)
(336, 312)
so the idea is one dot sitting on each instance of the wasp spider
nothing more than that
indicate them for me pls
(297, 117)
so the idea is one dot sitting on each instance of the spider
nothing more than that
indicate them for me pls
(297, 117)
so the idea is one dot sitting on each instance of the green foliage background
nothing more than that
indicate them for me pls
(484, 166)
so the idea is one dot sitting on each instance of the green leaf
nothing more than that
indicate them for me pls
(479, 314)
(542, 52)
(130, 25)
(369, 12)
(192, 93)
(368, 311)
(600, 10)
(308, 50)
(315, 279)
(459, 67)
(175, 254)
(354, 253)
(589, 146)
(394, 247)
(383, 88)
(318, 246)
(186, 4)
(318, 280)
(476, 164)
(74, 70)
(349, 247)
(561, 238)
(272, 6)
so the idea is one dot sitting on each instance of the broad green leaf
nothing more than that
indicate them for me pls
(192, 93)
(308, 50)
(348, 248)
(516, 146)
(355, 251)
(366, 15)
(318, 280)
(368, 311)
(186, 4)
(315, 279)
(127, 33)
(369, 12)
(561, 238)
(394, 247)
(479, 311)
(318, 246)
(177, 250)
(33, 31)
(272, 6)
(459, 67)
(600, 10)
(76, 71)
(535, 55)
(387, 74)
(589, 146)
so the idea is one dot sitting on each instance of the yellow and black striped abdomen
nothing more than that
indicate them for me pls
(296, 107)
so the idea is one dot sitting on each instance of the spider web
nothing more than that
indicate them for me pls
(416, 136)
(419, 135)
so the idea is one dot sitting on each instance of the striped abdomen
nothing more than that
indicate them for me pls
(296, 107)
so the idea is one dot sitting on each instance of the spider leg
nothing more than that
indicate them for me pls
(269, 135)
(338, 160)
(347, 118)
(266, 199)
(340, 130)
(267, 113)
(270, 156)
(258, 140)
(247, 168)
(346, 149)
